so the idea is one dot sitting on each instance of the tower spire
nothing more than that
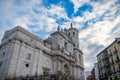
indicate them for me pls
(58, 28)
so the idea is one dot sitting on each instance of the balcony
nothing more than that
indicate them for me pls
(109, 73)
(114, 72)
(106, 66)
(112, 62)
(115, 51)
(105, 57)
(117, 60)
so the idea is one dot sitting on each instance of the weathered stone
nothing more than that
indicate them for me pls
(24, 54)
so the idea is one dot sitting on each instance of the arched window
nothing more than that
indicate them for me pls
(65, 45)
(74, 45)
(80, 58)
(73, 33)
(69, 34)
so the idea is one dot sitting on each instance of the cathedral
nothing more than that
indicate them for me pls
(24, 54)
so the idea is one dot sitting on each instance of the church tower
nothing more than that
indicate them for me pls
(73, 35)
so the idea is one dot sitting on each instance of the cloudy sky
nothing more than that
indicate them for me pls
(98, 21)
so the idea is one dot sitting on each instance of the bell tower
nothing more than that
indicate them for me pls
(73, 35)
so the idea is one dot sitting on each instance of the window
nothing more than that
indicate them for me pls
(112, 62)
(117, 58)
(110, 52)
(3, 54)
(69, 34)
(80, 58)
(73, 33)
(0, 63)
(28, 56)
(66, 45)
(60, 38)
(115, 49)
(74, 45)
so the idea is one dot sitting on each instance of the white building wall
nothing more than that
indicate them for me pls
(46, 62)
(25, 43)
(7, 49)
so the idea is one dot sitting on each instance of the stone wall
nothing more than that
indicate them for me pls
(45, 77)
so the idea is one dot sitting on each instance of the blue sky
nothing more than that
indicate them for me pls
(98, 21)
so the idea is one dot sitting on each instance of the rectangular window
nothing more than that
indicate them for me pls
(3, 54)
(28, 56)
(73, 33)
(65, 45)
(69, 34)
(74, 45)
(110, 52)
(117, 58)
(80, 58)
(0, 63)
(115, 50)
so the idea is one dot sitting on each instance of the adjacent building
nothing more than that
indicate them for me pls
(109, 62)
(92, 75)
(96, 71)
(22, 54)
(87, 73)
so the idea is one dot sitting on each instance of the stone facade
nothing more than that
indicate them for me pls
(24, 54)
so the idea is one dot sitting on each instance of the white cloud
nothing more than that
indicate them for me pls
(96, 34)
(57, 11)
(99, 33)
(98, 11)
(23, 15)
(78, 3)
(23, 22)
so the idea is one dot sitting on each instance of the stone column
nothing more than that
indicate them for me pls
(54, 65)
(61, 66)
